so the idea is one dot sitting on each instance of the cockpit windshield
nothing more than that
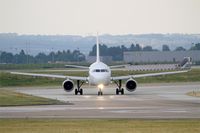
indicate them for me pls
(100, 70)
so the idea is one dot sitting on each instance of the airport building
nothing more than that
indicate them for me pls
(160, 56)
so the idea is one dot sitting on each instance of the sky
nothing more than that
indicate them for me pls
(86, 17)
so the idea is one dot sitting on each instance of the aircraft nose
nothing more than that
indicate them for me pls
(102, 80)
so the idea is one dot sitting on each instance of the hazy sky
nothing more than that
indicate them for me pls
(86, 17)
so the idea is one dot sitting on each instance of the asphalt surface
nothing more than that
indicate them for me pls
(166, 101)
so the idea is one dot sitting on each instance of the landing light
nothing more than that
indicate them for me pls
(100, 86)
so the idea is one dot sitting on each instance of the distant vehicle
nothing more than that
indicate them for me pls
(100, 76)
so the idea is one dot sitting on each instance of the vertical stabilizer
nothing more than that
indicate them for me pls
(98, 57)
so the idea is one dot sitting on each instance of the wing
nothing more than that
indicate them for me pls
(75, 66)
(146, 75)
(51, 76)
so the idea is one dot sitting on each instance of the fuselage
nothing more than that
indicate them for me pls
(99, 73)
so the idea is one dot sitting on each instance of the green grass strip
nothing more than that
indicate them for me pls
(98, 126)
(11, 98)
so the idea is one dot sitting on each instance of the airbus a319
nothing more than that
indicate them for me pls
(99, 74)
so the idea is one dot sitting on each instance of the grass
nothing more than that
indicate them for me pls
(29, 66)
(38, 66)
(191, 76)
(11, 98)
(7, 79)
(98, 126)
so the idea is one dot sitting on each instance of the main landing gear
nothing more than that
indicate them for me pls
(119, 89)
(79, 89)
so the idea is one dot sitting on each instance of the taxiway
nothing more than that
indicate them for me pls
(149, 102)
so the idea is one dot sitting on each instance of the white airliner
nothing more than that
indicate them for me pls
(100, 76)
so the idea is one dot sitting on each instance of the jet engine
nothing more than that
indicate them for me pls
(68, 85)
(131, 85)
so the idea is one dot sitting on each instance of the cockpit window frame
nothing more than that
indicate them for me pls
(100, 70)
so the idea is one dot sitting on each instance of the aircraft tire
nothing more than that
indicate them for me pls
(100, 93)
(76, 91)
(81, 91)
(117, 91)
(122, 91)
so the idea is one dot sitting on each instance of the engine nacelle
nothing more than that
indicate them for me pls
(68, 85)
(131, 85)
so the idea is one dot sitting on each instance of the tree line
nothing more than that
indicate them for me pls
(115, 52)
(23, 58)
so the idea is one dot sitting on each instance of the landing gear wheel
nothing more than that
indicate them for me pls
(76, 91)
(122, 91)
(81, 91)
(100, 93)
(117, 91)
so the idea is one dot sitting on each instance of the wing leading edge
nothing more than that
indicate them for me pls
(51, 76)
(146, 75)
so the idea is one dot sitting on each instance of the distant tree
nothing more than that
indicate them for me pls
(116, 53)
(180, 49)
(51, 56)
(138, 47)
(6, 57)
(147, 48)
(196, 47)
(22, 58)
(93, 52)
(165, 48)
(41, 58)
(77, 56)
(123, 48)
(102, 48)
(132, 47)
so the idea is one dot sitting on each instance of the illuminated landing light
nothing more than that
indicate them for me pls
(100, 86)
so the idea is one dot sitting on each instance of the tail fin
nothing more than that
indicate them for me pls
(98, 57)
(186, 63)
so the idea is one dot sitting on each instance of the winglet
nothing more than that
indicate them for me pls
(98, 57)
(186, 63)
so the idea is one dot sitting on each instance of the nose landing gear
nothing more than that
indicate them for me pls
(100, 87)
(100, 92)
